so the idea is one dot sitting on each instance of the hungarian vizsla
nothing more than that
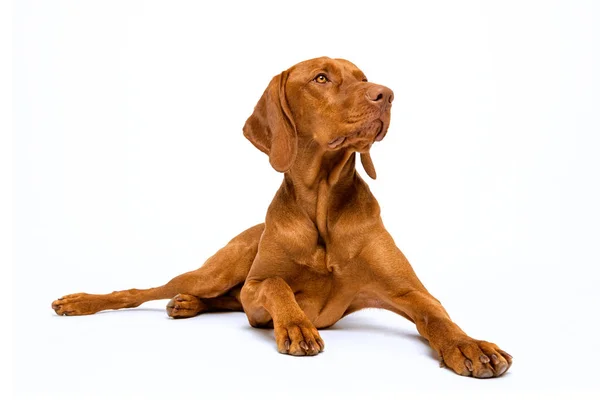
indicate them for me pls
(322, 252)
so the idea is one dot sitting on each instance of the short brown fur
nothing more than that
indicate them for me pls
(322, 252)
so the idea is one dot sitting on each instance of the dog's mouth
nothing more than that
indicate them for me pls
(372, 132)
(336, 142)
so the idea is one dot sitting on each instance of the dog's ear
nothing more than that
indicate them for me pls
(271, 128)
(367, 163)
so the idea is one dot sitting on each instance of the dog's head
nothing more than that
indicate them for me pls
(328, 101)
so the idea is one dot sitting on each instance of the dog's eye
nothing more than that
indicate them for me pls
(365, 79)
(321, 78)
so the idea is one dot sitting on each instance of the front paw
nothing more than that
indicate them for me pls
(477, 358)
(298, 338)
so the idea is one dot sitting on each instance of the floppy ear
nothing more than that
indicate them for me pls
(271, 128)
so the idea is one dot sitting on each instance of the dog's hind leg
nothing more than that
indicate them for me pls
(214, 286)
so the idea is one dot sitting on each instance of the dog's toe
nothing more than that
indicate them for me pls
(299, 338)
(75, 304)
(477, 358)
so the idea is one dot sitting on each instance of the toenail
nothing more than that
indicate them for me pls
(469, 365)
(321, 343)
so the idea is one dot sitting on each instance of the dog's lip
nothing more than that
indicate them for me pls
(381, 133)
(336, 142)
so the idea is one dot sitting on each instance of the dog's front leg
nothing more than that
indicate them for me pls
(273, 299)
(463, 354)
(398, 289)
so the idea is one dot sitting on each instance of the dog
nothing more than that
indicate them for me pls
(322, 252)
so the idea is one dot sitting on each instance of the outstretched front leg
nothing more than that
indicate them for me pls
(398, 289)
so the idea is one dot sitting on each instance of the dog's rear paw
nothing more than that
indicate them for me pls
(477, 358)
(76, 304)
(185, 306)
(298, 338)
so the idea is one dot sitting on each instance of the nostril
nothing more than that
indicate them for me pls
(375, 94)
(379, 94)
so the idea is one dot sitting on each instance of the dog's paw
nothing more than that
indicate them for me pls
(185, 306)
(298, 338)
(76, 304)
(477, 358)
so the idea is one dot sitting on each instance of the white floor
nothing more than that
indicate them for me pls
(140, 353)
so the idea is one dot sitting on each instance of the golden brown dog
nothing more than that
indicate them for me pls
(323, 251)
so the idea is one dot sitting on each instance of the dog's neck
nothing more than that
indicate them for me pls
(314, 166)
(318, 180)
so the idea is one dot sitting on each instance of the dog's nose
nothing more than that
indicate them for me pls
(380, 94)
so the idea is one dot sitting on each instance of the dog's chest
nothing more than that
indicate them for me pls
(325, 286)
(321, 263)
(317, 261)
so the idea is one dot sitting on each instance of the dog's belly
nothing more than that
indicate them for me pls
(323, 311)
(325, 298)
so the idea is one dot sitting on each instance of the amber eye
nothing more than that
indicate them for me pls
(321, 78)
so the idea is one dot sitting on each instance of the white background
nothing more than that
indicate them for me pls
(130, 167)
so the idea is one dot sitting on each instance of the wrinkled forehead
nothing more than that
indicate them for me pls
(331, 66)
